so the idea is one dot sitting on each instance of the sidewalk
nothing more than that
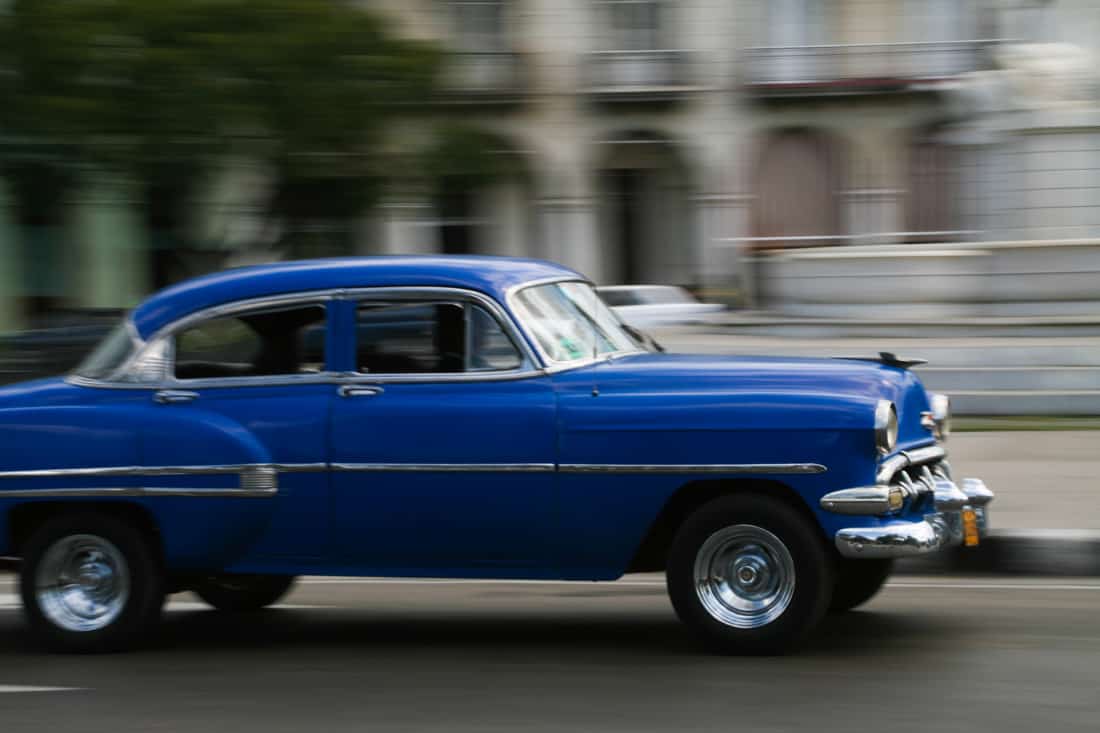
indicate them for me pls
(1046, 517)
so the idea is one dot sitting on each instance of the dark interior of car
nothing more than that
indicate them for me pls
(281, 342)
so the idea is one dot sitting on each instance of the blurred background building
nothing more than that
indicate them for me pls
(813, 157)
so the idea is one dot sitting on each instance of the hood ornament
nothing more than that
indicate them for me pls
(885, 357)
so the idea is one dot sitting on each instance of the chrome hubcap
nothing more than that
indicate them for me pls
(744, 576)
(82, 583)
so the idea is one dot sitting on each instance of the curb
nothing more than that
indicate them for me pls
(1035, 552)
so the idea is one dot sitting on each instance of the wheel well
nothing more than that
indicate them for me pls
(24, 519)
(651, 554)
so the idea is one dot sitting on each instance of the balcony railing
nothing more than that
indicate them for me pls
(484, 76)
(861, 67)
(638, 75)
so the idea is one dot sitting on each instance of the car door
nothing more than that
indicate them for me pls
(255, 377)
(443, 443)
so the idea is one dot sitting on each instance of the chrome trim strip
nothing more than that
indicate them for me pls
(249, 469)
(212, 470)
(130, 471)
(445, 467)
(297, 467)
(738, 468)
(139, 492)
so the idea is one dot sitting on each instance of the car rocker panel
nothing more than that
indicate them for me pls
(459, 417)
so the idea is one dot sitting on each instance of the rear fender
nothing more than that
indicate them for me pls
(196, 531)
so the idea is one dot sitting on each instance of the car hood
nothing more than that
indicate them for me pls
(741, 392)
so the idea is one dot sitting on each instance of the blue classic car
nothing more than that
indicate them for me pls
(456, 417)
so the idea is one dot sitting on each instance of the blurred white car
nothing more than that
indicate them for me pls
(652, 306)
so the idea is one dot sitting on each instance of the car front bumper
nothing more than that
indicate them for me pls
(960, 517)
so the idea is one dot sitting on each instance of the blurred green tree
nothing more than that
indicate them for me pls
(164, 92)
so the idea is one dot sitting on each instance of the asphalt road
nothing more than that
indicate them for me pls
(927, 655)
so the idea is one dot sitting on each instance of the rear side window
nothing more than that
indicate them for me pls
(271, 342)
(442, 337)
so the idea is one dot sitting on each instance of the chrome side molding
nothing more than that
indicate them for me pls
(735, 468)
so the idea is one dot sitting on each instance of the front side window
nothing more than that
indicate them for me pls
(633, 25)
(479, 24)
(571, 323)
(265, 343)
(431, 337)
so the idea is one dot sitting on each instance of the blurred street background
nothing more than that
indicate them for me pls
(843, 176)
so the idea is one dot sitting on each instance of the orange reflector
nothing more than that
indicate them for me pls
(970, 527)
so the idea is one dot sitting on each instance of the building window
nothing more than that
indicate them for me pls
(797, 23)
(633, 25)
(932, 212)
(479, 24)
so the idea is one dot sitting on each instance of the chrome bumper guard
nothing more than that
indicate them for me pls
(942, 528)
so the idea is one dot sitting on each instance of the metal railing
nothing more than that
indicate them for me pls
(484, 74)
(862, 64)
(658, 73)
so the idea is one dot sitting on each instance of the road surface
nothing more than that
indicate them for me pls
(928, 654)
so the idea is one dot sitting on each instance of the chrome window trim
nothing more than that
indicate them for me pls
(736, 468)
(167, 336)
(530, 365)
(126, 377)
(137, 346)
(551, 366)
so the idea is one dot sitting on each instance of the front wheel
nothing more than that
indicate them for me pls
(749, 574)
(239, 593)
(857, 581)
(90, 583)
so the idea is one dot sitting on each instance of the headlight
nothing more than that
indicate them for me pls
(886, 427)
(941, 415)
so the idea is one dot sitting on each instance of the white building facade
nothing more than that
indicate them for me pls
(677, 141)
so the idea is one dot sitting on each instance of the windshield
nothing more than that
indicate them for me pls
(571, 323)
(111, 354)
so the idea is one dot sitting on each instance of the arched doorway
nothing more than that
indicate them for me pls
(799, 179)
(645, 222)
(932, 207)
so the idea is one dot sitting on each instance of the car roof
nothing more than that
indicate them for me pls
(490, 275)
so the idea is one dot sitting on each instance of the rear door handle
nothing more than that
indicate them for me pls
(175, 396)
(359, 390)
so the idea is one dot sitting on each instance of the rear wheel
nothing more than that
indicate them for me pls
(857, 581)
(239, 593)
(90, 583)
(749, 574)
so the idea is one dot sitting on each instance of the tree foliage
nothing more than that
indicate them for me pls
(161, 90)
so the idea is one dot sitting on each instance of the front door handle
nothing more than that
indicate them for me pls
(359, 390)
(175, 396)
